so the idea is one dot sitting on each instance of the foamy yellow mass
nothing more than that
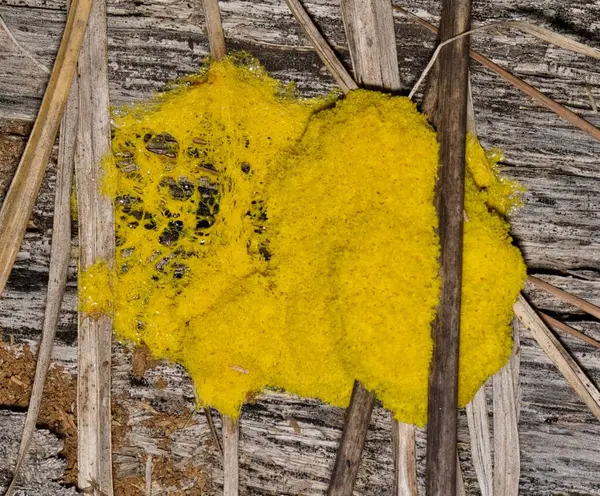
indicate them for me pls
(266, 240)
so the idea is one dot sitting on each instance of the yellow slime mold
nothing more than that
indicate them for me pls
(264, 241)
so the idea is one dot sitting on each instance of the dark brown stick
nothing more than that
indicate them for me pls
(451, 122)
(529, 90)
(351, 446)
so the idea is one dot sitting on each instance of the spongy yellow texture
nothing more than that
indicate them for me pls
(262, 242)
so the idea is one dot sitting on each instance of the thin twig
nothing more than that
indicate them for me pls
(214, 27)
(568, 329)
(231, 440)
(563, 360)
(148, 475)
(26, 183)
(451, 122)
(537, 31)
(96, 244)
(213, 430)
(41, 66)
(586, 306)
(59, 264)
(529, 90)
(335, 67)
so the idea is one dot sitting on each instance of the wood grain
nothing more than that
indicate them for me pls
(96, 244)
(529, 90)
(451, 122)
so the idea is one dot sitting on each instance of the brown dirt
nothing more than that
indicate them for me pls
(141, 360)
(13, 136)
(175, 480)
(58, 410)
(58, 413)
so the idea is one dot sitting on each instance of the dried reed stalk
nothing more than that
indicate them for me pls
(529, 90)
(507, 395)
(586, 306)
(96, 244)
(564, 362)
(229, 450)
(231, 443)
(335, 67)
(568, 329)
(479, 431)
(26, 183)
(214, 27)
(59, 264)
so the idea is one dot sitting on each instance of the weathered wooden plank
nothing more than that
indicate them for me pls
(154, 41)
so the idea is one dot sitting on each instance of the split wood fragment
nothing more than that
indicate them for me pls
(96, 244)
(59, 264)
(26, 183)
(564, 362)
(451, 122)
(529, 90)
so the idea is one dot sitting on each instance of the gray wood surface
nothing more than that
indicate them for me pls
(154, 41)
